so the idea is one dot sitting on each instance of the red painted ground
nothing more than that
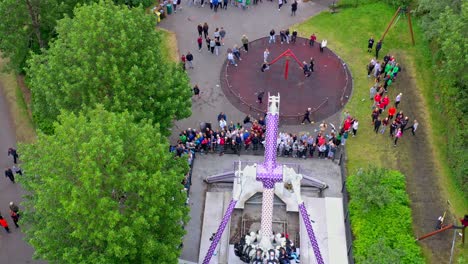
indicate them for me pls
(325, 91)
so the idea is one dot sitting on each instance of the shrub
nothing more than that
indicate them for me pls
(382, 229)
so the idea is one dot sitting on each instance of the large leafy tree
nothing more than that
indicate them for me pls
(104, 189)
(28, 25)
(111, 55)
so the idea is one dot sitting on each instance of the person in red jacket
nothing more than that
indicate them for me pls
(385, 101)
(377, 99)
(183, 60)
(312, 40)
(391, 112)
(4, 224)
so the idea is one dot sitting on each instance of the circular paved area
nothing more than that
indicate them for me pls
(325, 91)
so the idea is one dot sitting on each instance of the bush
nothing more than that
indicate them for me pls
(382, 230)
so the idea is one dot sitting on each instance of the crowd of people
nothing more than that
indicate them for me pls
(216, 5)
(249, 134)
(10, 174)
(384, 112)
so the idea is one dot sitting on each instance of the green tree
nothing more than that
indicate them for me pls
(111, 55)
(28, 26)
(104, 189)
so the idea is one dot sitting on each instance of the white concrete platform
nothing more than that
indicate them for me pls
(329, 230)
(216, 204)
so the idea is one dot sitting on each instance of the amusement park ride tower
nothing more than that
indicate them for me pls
(268, 173)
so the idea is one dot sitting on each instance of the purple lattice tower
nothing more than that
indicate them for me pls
(269, 173)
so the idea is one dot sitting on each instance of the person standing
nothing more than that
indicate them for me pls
(200, 29)
(391, 112)
(196, 91)
(266, 53)
(245, 43)
(355, 127)
(272, 37)
(372, 92)
(205, 29)
(280, 4)
(4, 224)
(9, 174)
(312, 64)
(393, 128)
(307, 116)
(398, 99)
(208, 41)
(260, 97)
(323, 45)
(200, 43)
(183, 59)
(14, 213)
(174, 5)
(189, 58)
(217, 46)
(385, 123)
(377, 124)
(222, 34)
(293, 8)
(212, 45)
(370, 44)
(14, 154)
(398, 135)
(305, 68)
(378, 47)
(294, 36)
(312, 40)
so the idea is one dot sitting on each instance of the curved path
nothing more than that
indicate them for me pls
(13, 249)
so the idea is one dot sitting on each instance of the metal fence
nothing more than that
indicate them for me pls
(344, 191)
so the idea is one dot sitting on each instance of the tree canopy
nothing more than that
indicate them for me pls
(103, 189)
(111, 55)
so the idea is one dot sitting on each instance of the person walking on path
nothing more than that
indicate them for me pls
(14, 213)
(200, 43)
(208, 41)
(312, 40)
(17, 170)
(265, 55)
(245, 43)
(312, 64)
(200, 29)
(280, 4)
(307, 116)
(9, 174)
(272, 37)
(413, 127)
(355, 127)
(205, 29)
(222, 34)
(370, 44)
(323, 45)
(378, 47)
(12, 152)
(293, 8)
(398, 99)
(398, 135)
(4, 224)
(189, 58)
(217, 46)
(183, 59)
(196, 91)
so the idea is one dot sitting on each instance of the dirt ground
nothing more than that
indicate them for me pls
(416, 160)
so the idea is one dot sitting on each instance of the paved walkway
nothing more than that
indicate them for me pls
(13, 249)
(255, 22)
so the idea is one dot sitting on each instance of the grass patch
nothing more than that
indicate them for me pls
(170, 49)
(347, 33)
(24, 127)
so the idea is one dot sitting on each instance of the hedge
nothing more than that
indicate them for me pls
(383, 231)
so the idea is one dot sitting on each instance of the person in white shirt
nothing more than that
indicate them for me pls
(398, 99)
(230, 57)
(265, 55)
(355, 127)
(323, 45)
(222, 123)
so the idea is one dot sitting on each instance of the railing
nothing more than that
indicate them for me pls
(344, 191)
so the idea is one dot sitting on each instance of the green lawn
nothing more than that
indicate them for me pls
(347, 33)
